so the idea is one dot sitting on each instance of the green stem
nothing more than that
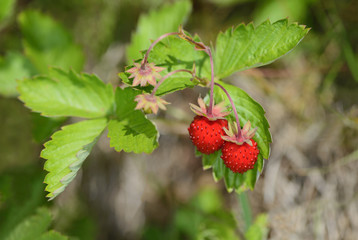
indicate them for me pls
(246, 209)
(145, 59)
(211, 104)
(206, 49)
(233, 108)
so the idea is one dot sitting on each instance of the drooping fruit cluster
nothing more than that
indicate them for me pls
(206, 134)
(210, 132)
(240, 158)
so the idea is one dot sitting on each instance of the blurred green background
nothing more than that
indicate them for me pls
(309, 187)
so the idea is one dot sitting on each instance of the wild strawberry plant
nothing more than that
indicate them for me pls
(174, 61)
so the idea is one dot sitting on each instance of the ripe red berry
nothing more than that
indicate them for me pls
(240, 158)
(206, 134)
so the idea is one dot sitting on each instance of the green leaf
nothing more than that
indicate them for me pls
(247, 46)
(131, 131)
(173, 53)
(62, 93)
(66, 152)
(13, 67)
(47, 43)
(156, 23)
(259, 230)
(6, 9)
(52, 235)
(21, 193)
(32, 227)
(233, 181)
(209, 160)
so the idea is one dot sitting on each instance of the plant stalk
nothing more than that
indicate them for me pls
(145, 59)
(233, 108)
(211, 104)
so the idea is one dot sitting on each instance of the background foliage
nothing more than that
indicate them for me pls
(166, 194)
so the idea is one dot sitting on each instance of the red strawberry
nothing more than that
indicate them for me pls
(207, 127)
(240, 158)
(206, 134)
(239, 151)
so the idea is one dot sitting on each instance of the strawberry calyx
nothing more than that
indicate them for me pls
(239, 137)
(218, 110)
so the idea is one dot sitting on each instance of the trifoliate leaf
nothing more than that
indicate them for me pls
(13, 67)
(66, 152)
(47, 43)
(62, 93)
(131, 131)
(156, 23)
(246, 46)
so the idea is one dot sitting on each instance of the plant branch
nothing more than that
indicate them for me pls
(233, 108)
(211, 104)
(145, 59)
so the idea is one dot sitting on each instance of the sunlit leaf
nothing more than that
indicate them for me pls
(62, 93)
(66, 152)
(131, 131)
(246, 46)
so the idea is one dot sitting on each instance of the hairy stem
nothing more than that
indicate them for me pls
(145, 59)
(233, 108)
(166, 76)
(211, 104)
(206, 49)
